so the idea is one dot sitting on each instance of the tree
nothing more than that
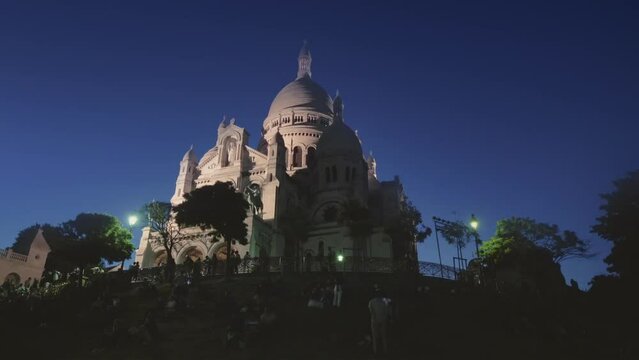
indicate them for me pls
(407, 231)
(56, 260)
(359, 222)
(530, 249)
(562, 245)
(218, 208)
(458, 234)
(295, 226)
(620, 225)
(91, 238)
(164, 231)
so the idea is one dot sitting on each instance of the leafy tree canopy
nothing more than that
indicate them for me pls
(218, 208)
(82, 242)
(522, 233)
(620, 225)
(95, 237)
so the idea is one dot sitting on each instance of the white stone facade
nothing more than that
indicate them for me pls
(307, 158)
(19, 268)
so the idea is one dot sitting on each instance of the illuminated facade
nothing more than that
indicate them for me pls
(308, 163)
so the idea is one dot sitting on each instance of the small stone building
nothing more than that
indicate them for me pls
(18, 268)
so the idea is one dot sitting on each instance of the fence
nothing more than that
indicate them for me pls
(315, 264)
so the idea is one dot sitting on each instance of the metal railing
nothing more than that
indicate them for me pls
(312, 265)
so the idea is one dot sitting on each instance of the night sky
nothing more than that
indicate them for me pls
(493, 108)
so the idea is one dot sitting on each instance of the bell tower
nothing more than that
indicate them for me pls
(185, 180)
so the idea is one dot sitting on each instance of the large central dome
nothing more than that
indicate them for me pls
(302, 94)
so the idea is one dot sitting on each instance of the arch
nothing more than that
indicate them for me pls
(160, 258)
(310, 157)
(297, 156)
(320, 214)
(12, 278)
(219, 249)
(195, 251)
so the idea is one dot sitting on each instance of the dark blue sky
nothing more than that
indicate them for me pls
(494, 108)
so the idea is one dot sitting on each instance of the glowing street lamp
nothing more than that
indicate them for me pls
(133, 219)
(474, 223)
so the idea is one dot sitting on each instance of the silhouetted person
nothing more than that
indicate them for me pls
(380, 313)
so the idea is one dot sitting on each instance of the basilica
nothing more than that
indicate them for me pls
(308, 166)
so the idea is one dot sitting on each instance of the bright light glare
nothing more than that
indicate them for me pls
(133, 219)
(474, 224)
(340, 258)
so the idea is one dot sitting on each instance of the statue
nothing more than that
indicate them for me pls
(230, 152)
(253, 196)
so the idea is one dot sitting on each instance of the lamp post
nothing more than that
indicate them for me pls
(474, 224)
(132, 220)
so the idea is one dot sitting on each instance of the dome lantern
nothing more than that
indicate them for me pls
(304, 61)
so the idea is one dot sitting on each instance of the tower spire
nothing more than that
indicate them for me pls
(304, 61)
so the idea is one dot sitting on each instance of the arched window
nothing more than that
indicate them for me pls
(310, 157)
(347, 174)
(334, 173)
(297, 156)
(328, 175)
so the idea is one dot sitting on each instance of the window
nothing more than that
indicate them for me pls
(347, 173)
(297, 156)
(334, 173)
(310, 157)
(328, 175)
(353, 175)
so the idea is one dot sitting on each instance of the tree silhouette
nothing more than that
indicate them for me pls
(164, 231)
(561, 244)
(218, 208)
(295, 226)
(620, 225)
(91, 238)
(56, 260)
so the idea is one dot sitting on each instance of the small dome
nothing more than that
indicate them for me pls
(339, 139)
(302, 94)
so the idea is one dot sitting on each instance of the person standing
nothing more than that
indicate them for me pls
(214, 264)
(380, 314)
(337, 293)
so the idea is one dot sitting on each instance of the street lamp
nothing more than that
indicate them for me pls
(133, 219)
(474, 223)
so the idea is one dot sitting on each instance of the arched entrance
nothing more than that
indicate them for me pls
(12, 278)
(220, 251)
(160, 258)
(192, 252)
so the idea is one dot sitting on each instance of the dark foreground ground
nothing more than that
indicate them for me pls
(450, 321)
